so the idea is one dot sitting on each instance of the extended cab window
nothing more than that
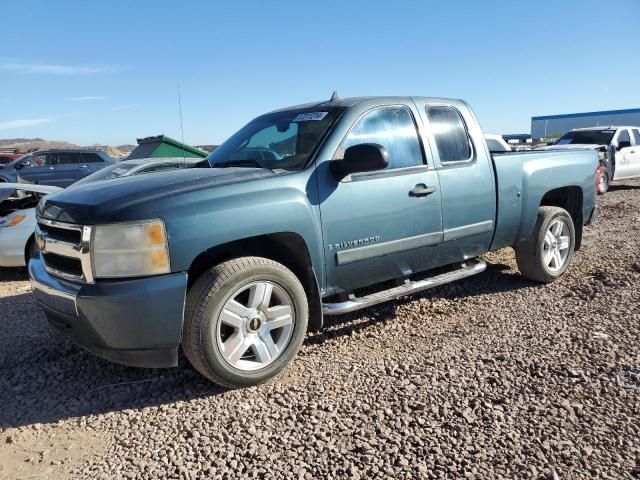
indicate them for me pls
(394, 129)
(450, 134)
(636, 136)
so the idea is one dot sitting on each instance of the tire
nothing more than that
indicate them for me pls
(542, 258)
(231, 337)
(602, 180)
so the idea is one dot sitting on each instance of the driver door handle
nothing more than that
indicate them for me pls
(421, 190)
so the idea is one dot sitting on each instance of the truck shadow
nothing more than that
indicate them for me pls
(13, 274)
(623, 187)
(497, 278)
(45, 378)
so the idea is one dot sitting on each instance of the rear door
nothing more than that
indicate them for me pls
(380, 225)
(466, 180)
(91, 162)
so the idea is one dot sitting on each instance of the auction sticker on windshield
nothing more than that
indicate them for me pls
(310, 116)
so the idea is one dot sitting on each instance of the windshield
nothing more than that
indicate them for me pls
(116, 170)
(595, 137)
(281, 140)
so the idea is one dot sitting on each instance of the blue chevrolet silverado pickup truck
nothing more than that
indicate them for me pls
(313, 210)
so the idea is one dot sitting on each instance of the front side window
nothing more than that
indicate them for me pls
(37, 160)
(450, 134)
(623, 139)
(394, 129)
(280, 140)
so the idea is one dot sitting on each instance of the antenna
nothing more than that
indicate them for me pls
(181, 129)
(334, 96)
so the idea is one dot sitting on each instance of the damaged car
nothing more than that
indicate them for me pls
(18, 203)
(618, 150)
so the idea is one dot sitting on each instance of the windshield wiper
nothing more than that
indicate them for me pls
(238, 163)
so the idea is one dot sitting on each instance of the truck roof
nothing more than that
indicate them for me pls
(348, 102)
(610, 127)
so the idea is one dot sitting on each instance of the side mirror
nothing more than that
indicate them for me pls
(365, 157)
(20, 166)
(622, 145)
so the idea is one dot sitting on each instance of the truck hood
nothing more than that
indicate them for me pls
(100, 201)
(573, 146)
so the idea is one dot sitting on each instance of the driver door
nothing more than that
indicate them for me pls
(625, 155)
(380, 225)
(35, 170)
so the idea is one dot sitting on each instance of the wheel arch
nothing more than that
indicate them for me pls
(287, 248)
(570, 198)
(31, 240)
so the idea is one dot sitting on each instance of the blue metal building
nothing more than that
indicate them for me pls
(557, 125)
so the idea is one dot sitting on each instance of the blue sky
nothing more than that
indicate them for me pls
(106, 72)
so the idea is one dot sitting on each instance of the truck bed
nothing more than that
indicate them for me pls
(523, 178)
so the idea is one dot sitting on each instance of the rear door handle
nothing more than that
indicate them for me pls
(421, 190)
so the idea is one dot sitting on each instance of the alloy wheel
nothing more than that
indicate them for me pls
(255, 325)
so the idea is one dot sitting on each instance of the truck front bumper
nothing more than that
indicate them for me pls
(134, 322)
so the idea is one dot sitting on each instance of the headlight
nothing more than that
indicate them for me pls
(133, 249)
(11, 220)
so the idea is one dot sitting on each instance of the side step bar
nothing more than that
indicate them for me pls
(467, 269)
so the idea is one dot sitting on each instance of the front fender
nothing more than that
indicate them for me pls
(198, 222)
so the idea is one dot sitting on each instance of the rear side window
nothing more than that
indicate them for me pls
(636, 136)
(450, 134)
(92, 158)
(394, 129)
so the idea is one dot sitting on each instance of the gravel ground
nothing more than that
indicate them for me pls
(492, 377)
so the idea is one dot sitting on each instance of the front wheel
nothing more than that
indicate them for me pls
(245, 321)
(602, 180)
(547, 255)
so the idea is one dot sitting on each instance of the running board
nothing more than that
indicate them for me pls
(467, 269)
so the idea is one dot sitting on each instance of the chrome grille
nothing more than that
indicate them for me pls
(65, 249)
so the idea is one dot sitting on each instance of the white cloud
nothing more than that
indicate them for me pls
(122, 107)
(86, 99)
(31, 122)
(46, 68)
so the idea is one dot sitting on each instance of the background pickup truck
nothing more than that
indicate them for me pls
(618, 150)
(396, 194)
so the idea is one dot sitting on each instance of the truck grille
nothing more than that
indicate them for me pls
(65, 249)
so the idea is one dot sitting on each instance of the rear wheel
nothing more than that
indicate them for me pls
(245, 320)
(548, 254)
(602, 181)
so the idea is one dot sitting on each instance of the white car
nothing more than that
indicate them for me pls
(618, 147)
(496, 143)
(18, 203)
